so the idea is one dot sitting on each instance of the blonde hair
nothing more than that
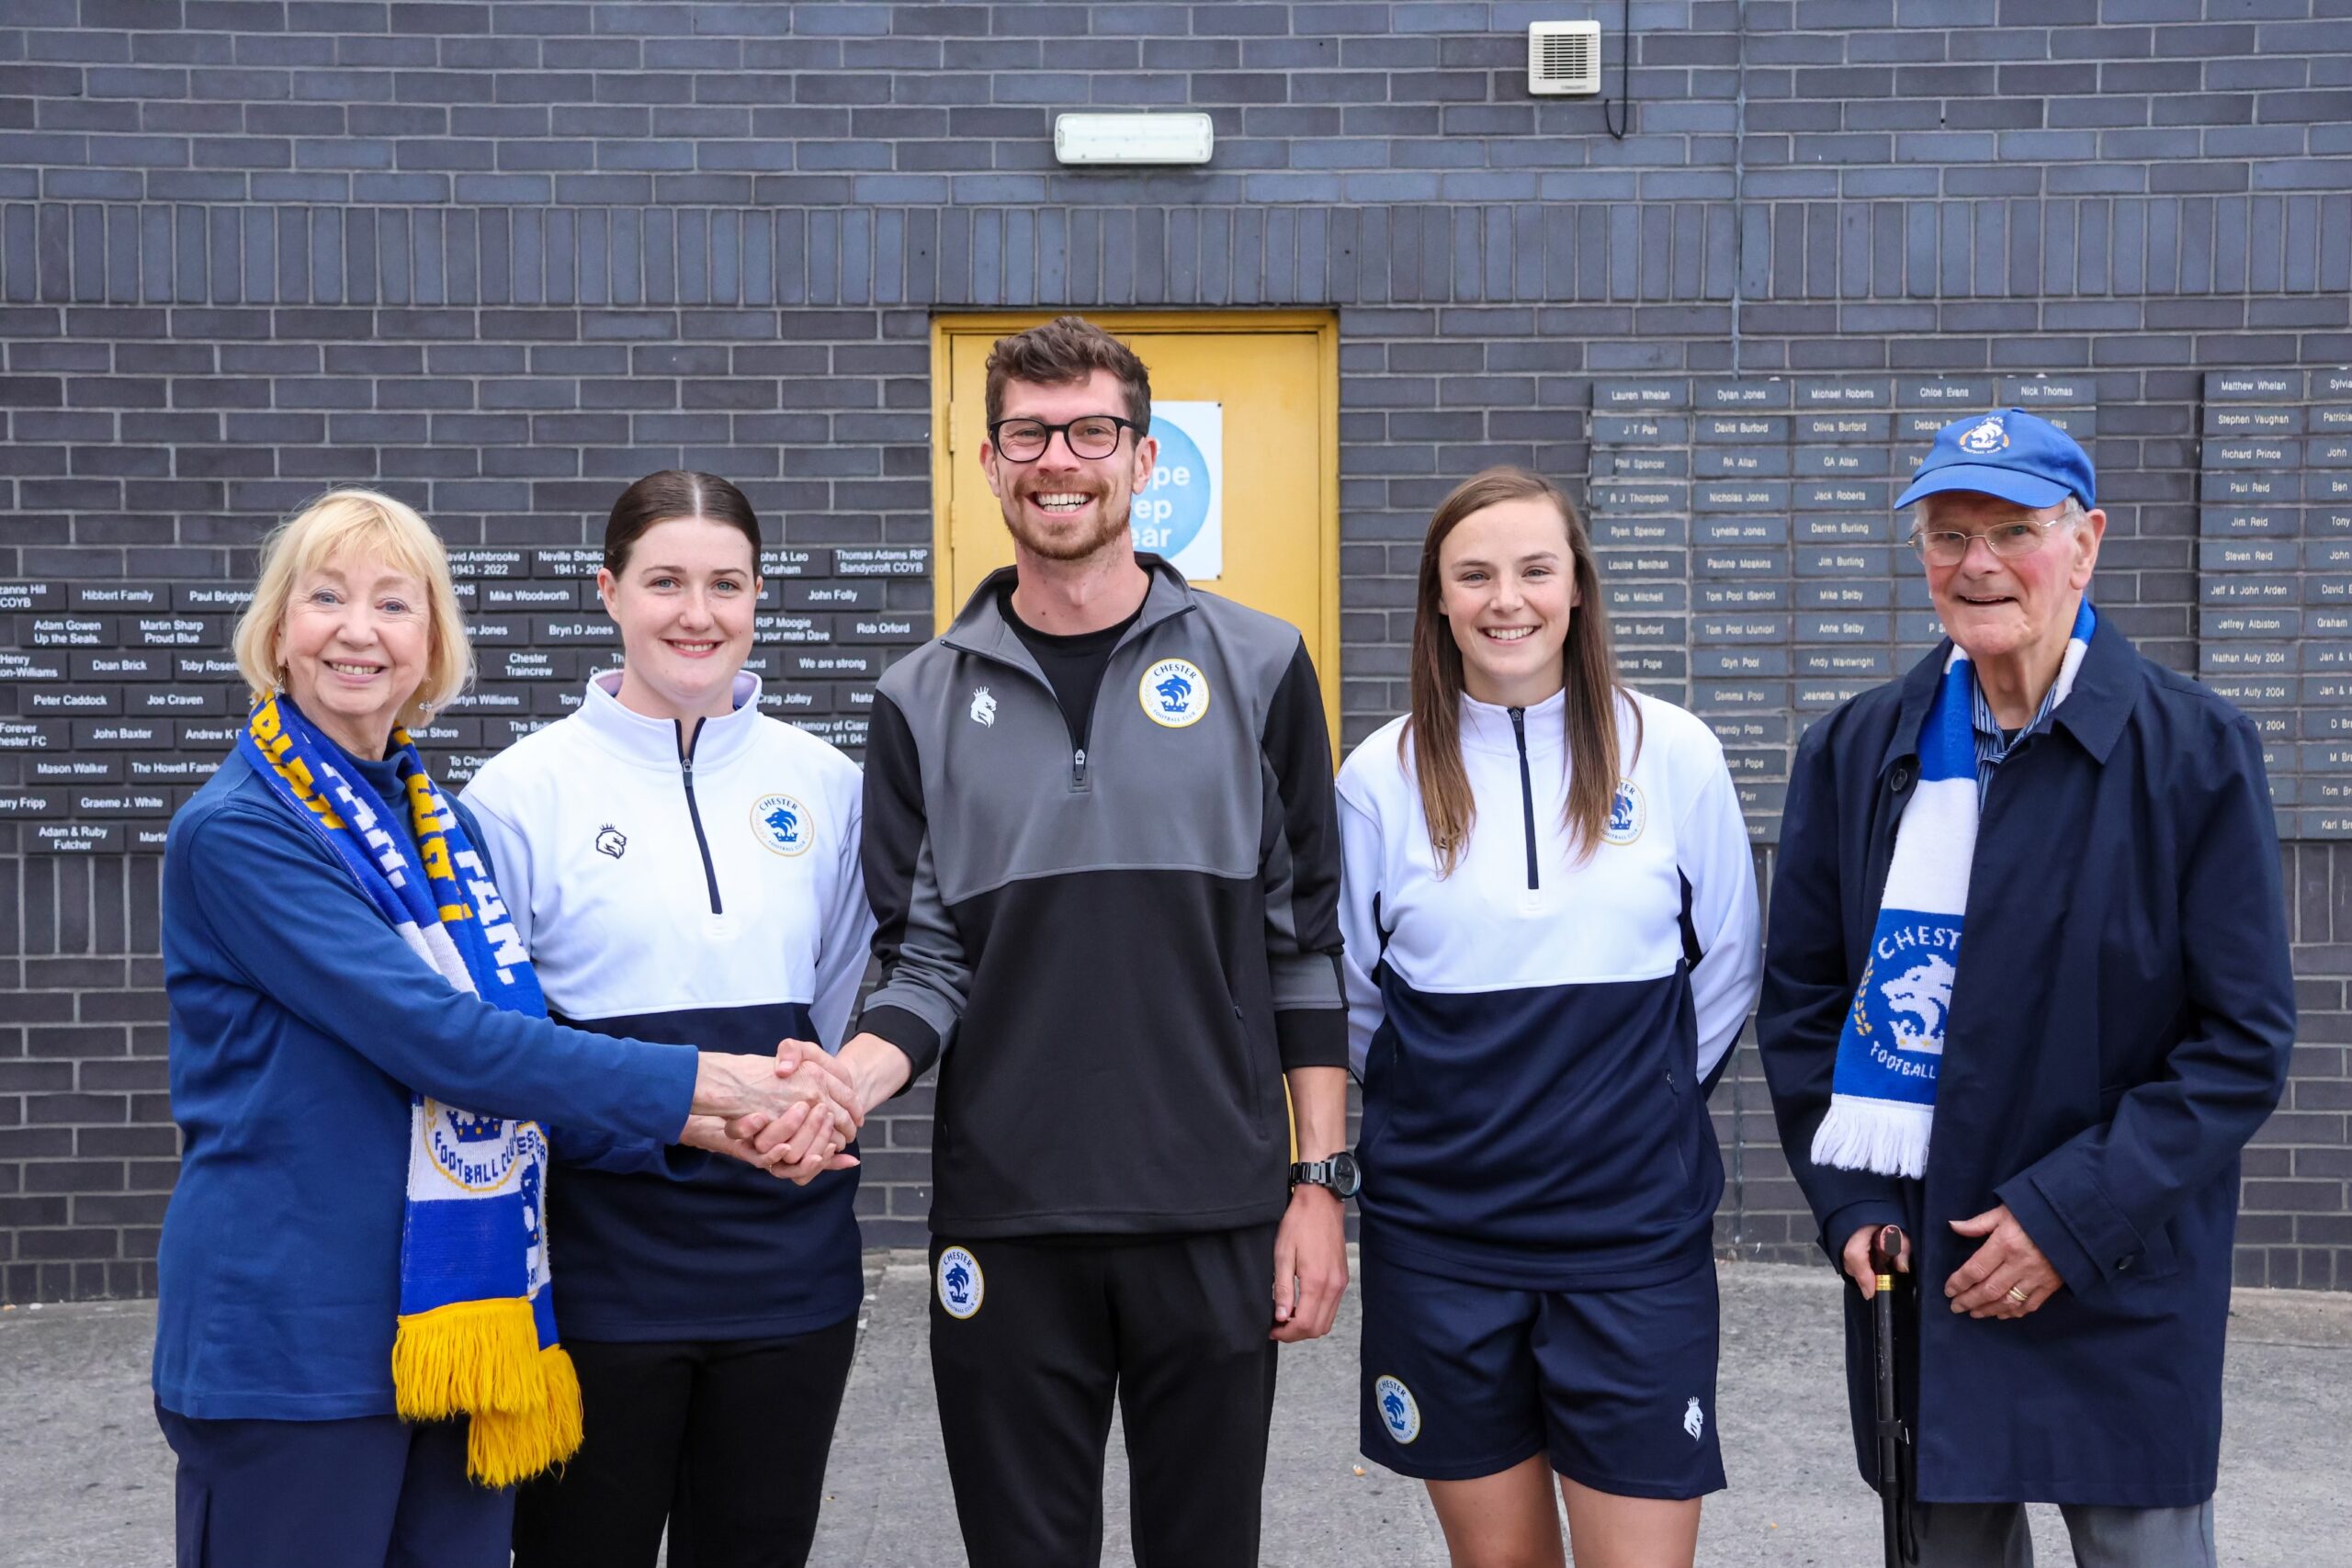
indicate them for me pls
(362, 523)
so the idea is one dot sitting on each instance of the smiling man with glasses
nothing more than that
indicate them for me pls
(2114, 1028)
(1102, 845)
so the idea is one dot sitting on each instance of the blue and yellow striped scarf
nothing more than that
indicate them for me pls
(477, 1333)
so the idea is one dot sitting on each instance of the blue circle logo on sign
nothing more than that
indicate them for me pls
(1169, 511)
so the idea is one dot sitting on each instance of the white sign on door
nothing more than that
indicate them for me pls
(1180, 513)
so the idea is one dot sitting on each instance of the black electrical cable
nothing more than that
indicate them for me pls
(1625, 78)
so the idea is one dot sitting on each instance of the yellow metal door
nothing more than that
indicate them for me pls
(1275, 375)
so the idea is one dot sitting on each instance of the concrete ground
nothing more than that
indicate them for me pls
(86, 1482)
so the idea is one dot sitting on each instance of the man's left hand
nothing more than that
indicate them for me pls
(1310, 1265)
(2009, 1277)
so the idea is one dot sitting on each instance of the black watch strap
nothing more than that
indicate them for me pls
(1337, 1174)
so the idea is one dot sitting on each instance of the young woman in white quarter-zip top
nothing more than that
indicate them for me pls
(683, 866)
(1551, 940)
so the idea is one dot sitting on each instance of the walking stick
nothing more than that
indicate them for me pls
(1892, 1438)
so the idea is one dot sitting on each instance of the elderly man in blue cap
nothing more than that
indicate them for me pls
(2052, 1108)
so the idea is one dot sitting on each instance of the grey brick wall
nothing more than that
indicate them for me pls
(502, 258)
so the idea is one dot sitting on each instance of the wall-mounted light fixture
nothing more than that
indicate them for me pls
(1133, 138)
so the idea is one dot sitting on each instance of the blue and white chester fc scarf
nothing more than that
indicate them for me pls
(1882, 1096)
(477, 1332)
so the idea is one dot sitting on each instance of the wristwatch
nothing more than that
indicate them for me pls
(1337, 1173)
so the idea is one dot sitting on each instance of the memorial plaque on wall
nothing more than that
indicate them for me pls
(2274, 574)
(1765, 507)
(121, 698)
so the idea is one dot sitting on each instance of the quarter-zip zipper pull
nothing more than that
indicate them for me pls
(1078, 768)
(1526, 793)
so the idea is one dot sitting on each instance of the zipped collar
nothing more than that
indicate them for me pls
(653, 742)
(982, 630)
(1488, 727)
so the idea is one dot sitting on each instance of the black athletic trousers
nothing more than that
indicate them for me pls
(1175, 1326)
(723, 1441)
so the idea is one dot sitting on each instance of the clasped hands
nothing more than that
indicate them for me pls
(2006, 1277)
(793, 1118)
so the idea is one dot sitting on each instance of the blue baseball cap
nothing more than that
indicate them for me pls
(2010, 453)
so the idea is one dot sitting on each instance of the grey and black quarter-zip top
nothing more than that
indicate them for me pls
(1114, 950)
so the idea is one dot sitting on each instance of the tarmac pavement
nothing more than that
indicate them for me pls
(85, 1480)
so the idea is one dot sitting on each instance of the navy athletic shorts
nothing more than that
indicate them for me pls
(1616, 1386)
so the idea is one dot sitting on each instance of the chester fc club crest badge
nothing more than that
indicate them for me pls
(1985, 437)
(782, 824)
(476, 1153)
(961, 1284)
(1174, 693)
(1398, 1410)
(1629, 813)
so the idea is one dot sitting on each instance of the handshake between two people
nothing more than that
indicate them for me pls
(792, 1115)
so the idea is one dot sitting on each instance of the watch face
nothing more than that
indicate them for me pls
(1345, 1178)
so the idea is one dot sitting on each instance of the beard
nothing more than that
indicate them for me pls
(1074, 540)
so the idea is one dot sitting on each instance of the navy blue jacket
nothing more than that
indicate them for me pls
(2119, 1027)
(299, 1022)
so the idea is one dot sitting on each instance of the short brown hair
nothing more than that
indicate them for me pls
(1066, 350)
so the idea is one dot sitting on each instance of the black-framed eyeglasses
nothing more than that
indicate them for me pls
(1948, 547)
(1091, 435)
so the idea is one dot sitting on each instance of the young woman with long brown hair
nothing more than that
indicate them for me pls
(1552, 942)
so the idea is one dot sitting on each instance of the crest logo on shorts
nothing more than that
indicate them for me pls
(611, 841)
(1694, 1420)
(983, 706)
(1174, 693)
(1629, 813)
(961, 1284)
(782, 824)
(1399, 1413)
(1986, 436)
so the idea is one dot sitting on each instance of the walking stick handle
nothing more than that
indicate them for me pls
(1885, 1247)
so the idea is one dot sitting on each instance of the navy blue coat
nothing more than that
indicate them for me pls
(2119, 1028)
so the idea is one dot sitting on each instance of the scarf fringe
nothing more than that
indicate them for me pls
(1884, 1136)
(484, 1358)
(503, 1450)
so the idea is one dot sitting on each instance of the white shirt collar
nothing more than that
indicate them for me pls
(642, 738)
(1488, 727)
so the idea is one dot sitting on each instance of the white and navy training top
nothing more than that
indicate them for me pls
(707, 894)
(1536, 1034)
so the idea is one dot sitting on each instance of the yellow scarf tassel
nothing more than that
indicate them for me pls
(483, 1360)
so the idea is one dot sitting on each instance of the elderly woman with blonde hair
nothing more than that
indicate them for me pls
(355, 1357)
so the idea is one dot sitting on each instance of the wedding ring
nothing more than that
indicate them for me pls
(2017, 1294)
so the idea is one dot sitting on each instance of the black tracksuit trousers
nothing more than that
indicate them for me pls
(1030, 1340)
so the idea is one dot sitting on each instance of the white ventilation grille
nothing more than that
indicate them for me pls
(1564, 58)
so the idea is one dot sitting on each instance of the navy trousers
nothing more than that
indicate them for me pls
(373, 1492)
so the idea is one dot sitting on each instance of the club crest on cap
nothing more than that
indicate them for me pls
(1987, 435)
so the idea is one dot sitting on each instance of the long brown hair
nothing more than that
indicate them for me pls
(1588, 669)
